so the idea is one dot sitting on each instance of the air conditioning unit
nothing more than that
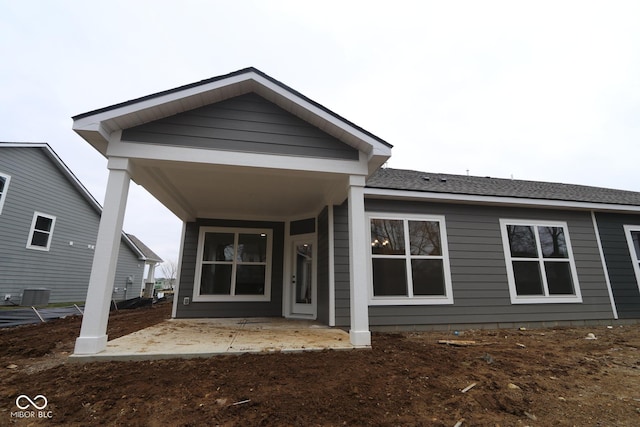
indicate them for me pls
(35, 296)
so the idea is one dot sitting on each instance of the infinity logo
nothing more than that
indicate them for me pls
(30, 402)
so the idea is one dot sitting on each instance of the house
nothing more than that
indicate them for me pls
(287, 211)
(152, 260)
(48, 230)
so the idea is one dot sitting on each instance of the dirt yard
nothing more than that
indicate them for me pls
(538, 377)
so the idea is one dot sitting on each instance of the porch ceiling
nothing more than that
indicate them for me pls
(218, 191)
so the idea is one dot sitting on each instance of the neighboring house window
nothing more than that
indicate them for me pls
(41, 231)
(540, 263)
(633, 240)
(409, 260)
(4, 186)
(233, 265)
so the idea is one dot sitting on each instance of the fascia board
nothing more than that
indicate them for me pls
(496, 200)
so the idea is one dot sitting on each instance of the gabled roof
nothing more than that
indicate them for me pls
(96, 126)
(149, 255)
(498, 189)
(73, 180)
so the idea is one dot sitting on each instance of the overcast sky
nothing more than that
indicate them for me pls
(544, 90)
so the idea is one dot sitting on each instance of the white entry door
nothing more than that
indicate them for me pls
(303, 276)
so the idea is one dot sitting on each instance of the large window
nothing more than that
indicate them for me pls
(540, 264)
(41, 231)
(4, 186)
(633, 240)
(409, 261)
(233, 265)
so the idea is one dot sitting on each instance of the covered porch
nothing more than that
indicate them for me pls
(254, 170)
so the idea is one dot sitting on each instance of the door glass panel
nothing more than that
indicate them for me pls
(303, 273)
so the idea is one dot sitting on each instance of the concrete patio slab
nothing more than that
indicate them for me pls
(188, 338)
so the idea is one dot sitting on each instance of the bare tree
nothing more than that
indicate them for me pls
(169, 271)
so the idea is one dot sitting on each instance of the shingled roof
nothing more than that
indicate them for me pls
(399, 179)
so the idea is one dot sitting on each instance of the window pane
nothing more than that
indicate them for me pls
(428, 277)
(2, 181)
(252, 248)
(559, 278)
(39, 239)
(522, 241)
(528, 279)
(635, 236)
(387, 236)
(389, 277)
(215, 279)
(424, 238)
(250, 280)
(218, 247)
(43, 223)
(553, 242)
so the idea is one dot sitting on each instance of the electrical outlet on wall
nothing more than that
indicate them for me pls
(7, 297)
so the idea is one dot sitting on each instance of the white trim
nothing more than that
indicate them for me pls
(172, 153)
(411, 299)
(197, 297)
(539, 299)
(36, 215)
(379, 193)
(332, 267)
(635, 257)
(3, 195)
(604, 265)
(176, 291)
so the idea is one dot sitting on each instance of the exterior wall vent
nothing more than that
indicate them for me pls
(35, 296)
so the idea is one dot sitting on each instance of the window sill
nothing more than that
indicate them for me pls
(410, 301)
(572, 299)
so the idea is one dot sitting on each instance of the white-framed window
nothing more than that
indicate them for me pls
(632, 232)
(540, 264)
(409, 260)
(41, 231)
(233, 264)
(4, 186)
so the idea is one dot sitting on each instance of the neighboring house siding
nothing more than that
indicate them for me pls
(38, 185)
(229, 309)
(246, 123)
(128, 266)
(479, 275)
(341, 264)
(323, 266)
(619, 261)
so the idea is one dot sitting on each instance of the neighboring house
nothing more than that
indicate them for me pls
(152, 260)
(287, 211)
(48, 229)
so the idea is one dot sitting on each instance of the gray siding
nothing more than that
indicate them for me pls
(478, 269)
(303, 226)
(37, 184)
(247, 123)
(323, 267)
(341, 264)
(229, 309)
(619, 261)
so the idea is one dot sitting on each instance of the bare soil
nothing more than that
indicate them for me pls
(539, 377)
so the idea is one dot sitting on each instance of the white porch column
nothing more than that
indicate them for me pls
(93, 334)
(359, 333)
